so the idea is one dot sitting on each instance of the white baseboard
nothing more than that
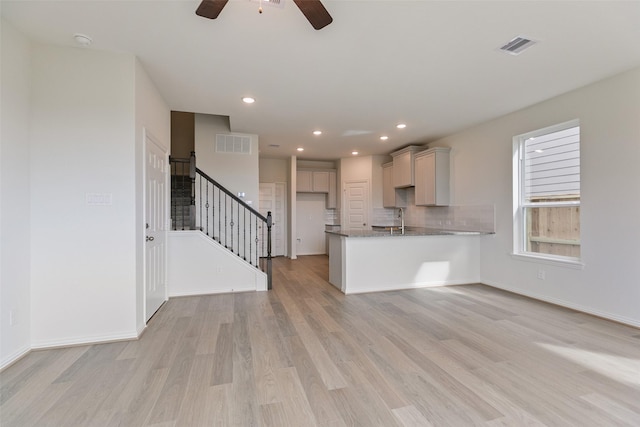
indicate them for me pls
(410, 286)
(70, 342)
(13, 358)
(567, 304)
(194, 293)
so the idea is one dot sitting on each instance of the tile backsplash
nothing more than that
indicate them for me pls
(462, 218)
(332, 216)
(385, 216)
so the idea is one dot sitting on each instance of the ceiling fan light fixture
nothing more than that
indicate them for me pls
(313, 10)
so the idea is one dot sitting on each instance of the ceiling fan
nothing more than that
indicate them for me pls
(313, 10)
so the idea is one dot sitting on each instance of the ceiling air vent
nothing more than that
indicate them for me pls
(236, 144)
(517, 45)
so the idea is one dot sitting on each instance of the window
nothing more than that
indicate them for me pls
(547, 193)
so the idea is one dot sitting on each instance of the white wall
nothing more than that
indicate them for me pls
(153, 117)
(72, 124)
(609, 114)
(83, 259)
(15, 339)
(198, 265)
(315, 164)
(236, 172)
(273, 170)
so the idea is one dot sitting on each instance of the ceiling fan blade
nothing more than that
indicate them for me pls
(315, 13)
(210, 8)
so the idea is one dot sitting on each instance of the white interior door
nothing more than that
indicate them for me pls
(156, 177)
(272, 198)
(356, 205)
(310, 236)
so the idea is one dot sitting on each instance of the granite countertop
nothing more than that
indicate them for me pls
(409, 231)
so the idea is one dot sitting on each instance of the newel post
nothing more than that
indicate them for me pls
(269, 223)
(192, 177)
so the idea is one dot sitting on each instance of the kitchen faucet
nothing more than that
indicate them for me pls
(401, 216)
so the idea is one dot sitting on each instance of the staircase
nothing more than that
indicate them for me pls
(181, 194)
(198, 202)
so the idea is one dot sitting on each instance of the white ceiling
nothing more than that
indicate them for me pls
(433, 65)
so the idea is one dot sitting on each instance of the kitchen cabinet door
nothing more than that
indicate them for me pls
(320, 181)
(391, 197)
(332, 196)
(432, 177)
(304, 181)
(403, 174)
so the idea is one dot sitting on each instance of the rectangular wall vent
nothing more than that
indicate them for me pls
(236, 144)
(517, 45)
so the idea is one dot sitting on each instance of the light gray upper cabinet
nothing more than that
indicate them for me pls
(403, 164)
(318, 181)
(304, 181)
(391, 197)
(432, 177)
(311, 181)
(332, 196)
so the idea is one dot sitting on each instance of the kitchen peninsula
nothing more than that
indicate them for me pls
(371, 261)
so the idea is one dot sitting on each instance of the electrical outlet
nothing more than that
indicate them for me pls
(542, 274)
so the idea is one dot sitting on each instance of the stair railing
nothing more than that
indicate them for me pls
(222, 215)
(183, 196)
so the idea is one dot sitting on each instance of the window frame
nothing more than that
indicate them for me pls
(520, 205)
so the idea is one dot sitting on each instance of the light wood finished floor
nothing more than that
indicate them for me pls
(306, 355)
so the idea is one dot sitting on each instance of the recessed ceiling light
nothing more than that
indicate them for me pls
(401, 126)
(82, 40)
(384, 137)
(300, 149)
(248, 100)
(355, 153)
(317, 132)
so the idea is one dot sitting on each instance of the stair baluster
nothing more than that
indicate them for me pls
(195, 197)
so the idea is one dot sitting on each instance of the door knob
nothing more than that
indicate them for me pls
(149, 238)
